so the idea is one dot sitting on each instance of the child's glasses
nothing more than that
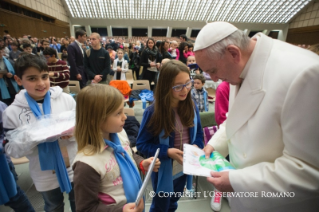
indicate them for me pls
(179, 88)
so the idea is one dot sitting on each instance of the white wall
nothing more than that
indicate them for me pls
(308, 17)
(53, 8)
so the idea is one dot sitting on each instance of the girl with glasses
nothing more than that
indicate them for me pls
(170, 122)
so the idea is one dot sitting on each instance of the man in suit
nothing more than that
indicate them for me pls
(271, 132)
(75, 58)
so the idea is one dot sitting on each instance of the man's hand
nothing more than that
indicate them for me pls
(221, 181)
(118, 69)
(9, 75)
(147, 162)
(175, 154)
(79, 77)
(98, 78)
(208, 150)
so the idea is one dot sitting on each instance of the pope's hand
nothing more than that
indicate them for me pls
(221, 181)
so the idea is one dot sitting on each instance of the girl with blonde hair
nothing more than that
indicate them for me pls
(105, 175)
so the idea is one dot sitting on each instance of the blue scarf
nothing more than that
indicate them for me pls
(50, 156)
(129, 173)
(4, 90)
(165, 172)
(8, 188)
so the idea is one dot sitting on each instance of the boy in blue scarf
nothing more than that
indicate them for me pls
(49, 160)
(11, 194)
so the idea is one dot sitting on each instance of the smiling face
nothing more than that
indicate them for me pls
(115, 122)
(35, 82)
(150, 44)
(181, 79)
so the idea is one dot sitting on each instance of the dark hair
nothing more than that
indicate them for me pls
(26, 45)
(14, 43)
(190, 45)
(50, 51)
(163, 117)
(29, 60)
(109, 47)
(161, 47)
(6, 31)
(184, 36)
(42, 41)
(148, 41)
(79, 32)
(1, 47)
(158, 43)
(199, 77)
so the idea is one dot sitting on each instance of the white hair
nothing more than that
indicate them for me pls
(237, 38)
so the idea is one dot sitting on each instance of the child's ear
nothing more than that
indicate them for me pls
(18, 80)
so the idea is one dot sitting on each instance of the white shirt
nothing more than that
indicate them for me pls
(80, 45)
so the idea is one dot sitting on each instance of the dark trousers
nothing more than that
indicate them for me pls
(20, 202)
(54, 200)
(167, 204)
(137, 73)
(150, 76)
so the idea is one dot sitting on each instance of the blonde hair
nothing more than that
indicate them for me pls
(95, 103)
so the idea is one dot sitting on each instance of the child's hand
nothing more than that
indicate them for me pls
(66, 137)
(9, 75)
(175, 154)
(130, 207)
(147, 162)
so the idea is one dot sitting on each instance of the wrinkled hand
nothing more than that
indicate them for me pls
(208, 150)
(147, 162)
(130, 207)
(175, 154)
(9, 75)
(221, 181)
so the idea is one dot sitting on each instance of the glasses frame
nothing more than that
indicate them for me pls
(191, 82)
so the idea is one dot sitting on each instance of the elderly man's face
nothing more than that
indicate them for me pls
(222, 68)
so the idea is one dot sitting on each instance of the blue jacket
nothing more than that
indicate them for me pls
(147, 144)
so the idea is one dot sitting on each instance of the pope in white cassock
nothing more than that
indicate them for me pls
(272, 130)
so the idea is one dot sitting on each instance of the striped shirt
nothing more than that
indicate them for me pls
(61, 74)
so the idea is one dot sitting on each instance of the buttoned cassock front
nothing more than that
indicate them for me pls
(272, 129)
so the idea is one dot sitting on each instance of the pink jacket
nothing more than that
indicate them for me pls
(189, 53)
(177, 53)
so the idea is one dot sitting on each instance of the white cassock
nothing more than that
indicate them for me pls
(272, 129)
